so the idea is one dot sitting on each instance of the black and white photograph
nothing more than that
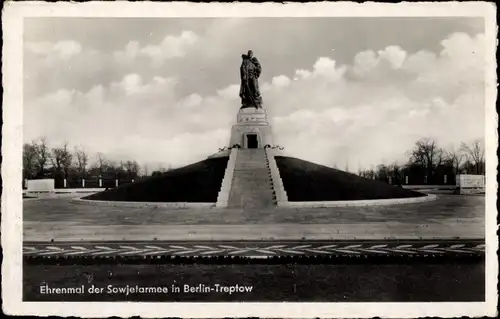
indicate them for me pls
(225, 160)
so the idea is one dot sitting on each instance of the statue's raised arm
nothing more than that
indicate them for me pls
(250, 71)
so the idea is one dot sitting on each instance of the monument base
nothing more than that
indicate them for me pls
(252, 129)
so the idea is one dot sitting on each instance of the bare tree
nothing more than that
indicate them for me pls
(132, 168)
(42, 155)
(145, 170)
(29, 159)
(136, 168)
(60, 157)
(427, 154)
(67, 160)
(162, 169)
(475, 154)
(56, 158)
(369, 173)
(112, 168)
(156, 173)
(454, 159)
(396, 171)
(82, 159)
(382, 172)
(102, 163)
(128, 167)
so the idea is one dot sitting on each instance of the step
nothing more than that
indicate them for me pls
(252, 183)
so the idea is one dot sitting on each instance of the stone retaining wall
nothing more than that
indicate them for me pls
(223, 197)
(279, 189)
(370, 202)
(68, 190)
(417, 187)
(178, 205)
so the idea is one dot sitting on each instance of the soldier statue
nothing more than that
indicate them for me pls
(250, 71)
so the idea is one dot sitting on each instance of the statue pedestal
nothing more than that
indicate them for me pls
(252, 129)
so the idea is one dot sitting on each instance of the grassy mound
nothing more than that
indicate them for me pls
(306, 181)
(198, 183)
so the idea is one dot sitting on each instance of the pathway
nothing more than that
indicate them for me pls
(67, 231)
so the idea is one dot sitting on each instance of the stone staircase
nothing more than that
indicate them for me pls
(251, 187)
(223, 197)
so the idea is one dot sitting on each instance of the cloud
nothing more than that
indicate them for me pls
(231, 92)
(139, 119)
(366, 112)
(326, 68)
(60, 49)
(365, 62)
(46, 55)
(395, 98)
(170, 47)
(281, 81)
(394, 55)
(301, 74)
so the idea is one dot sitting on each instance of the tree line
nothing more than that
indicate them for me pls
(428, 163)
(74, 164)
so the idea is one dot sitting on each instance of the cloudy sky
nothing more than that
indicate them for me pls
(337, 90)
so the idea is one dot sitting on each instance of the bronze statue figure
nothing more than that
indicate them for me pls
(249, 90)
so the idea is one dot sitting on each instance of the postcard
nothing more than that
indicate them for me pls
(249, 160)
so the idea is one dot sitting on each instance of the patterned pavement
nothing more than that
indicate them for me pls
(256, 248)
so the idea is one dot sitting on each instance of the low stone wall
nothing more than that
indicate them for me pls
(142, 204)
(62, 193)
(79, 190)
(223, 197)
(371, 202)
(470, 184)
(41, 185)
(58, 196)
(279, 189)
(438, 187)
(69, 190)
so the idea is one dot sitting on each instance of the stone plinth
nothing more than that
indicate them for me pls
(41, 185)
(470, 184)
(252, 129)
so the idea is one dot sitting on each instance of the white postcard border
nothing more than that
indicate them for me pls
(13, 15)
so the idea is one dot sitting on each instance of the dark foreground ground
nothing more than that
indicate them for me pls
(457, 280)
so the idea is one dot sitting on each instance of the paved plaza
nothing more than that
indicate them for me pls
(448, 217)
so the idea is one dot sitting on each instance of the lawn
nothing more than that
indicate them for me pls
(198, 183)
(306, 181)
